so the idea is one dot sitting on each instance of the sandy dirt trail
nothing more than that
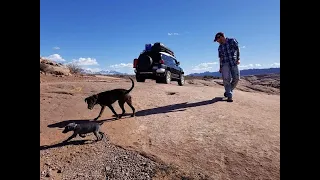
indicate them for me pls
(189, 126)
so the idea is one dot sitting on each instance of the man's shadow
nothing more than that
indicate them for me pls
(177, 107)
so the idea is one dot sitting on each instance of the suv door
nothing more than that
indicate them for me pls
(171, 65)
(167, 61)
(174, 67)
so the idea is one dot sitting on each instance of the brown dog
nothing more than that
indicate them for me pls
(107, 98)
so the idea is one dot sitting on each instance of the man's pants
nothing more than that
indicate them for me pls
(231, 77)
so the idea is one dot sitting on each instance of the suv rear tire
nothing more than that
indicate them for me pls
(167, 77)
(181, 80)
(158, 80)
(139, 79)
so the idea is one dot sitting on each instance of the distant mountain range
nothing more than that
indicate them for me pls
(103, 72)
(245, 72)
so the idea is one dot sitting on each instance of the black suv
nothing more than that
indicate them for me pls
(158, 62)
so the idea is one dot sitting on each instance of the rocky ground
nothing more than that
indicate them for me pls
(100, 160)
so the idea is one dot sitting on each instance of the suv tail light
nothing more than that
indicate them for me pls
(161, 61)
(135, 62)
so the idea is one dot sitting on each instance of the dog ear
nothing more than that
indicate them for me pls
(85, 100)
(95, 96)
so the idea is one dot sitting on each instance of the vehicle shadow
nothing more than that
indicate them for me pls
(177, 107)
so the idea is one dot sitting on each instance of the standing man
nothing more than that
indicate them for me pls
(229, 55)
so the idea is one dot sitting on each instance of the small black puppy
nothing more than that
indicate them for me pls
(84, 128)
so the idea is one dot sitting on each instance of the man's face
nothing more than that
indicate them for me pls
(219, 39)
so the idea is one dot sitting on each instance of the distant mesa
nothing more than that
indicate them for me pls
(103, 72)
(245, 72)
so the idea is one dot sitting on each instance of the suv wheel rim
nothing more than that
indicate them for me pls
(182, 79)
(168, 77)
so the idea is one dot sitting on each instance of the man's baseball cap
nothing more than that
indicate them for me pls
(218, 35)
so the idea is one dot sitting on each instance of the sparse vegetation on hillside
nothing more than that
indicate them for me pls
(206, 77)
(74, 68)
(50, 67)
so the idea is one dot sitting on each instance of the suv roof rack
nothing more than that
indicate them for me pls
(159, 47)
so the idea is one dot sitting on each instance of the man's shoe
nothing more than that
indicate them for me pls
(229, 99)
(225, 94)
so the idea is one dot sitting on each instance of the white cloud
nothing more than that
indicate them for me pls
(56, 48)
(275, 65)
(204, 66)
(122, 65)
(173, 34)
(93, 69)
(55, 57)
(242, 47)
(123, 68)
(249, 66)
(245, 66)
(85, 61)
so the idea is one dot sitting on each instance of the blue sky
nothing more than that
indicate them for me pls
(109, 34)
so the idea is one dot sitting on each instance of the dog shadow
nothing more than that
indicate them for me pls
(75, 142)
(177, 107)
(62, 124)
(125, 115)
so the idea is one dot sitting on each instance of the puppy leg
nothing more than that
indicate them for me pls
(121, 104)
(102, 135)
(114, 112)
(101, 111)
(71, 137)
(129, 102)
(97, 135)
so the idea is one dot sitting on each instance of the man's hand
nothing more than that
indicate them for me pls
(238, 61)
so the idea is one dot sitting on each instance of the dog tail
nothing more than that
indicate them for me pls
(131, 86)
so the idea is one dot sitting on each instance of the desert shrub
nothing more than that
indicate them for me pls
(190, 81)
(208, 77)
(188, 77)
(74, 69)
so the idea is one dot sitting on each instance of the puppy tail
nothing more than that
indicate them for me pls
(131, 86)
(101, 122)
